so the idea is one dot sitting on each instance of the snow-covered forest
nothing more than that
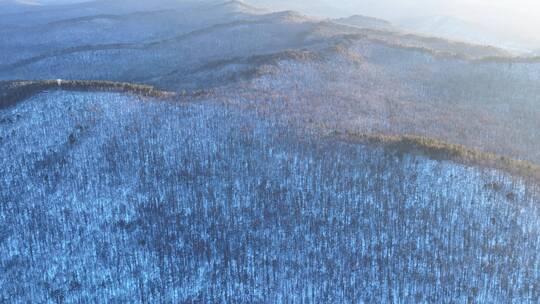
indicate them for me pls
(115, 198)
(209, 151)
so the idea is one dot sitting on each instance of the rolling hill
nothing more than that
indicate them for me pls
(211, 151)
(129, 197)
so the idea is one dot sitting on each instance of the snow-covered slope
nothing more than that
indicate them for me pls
(443, 88)
(116, 198)
(297, 160)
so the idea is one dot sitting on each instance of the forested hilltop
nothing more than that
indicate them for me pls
(345, 75)
(215, 152)
(117, 197)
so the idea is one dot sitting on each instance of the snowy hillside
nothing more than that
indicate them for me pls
(215, 152)
(110, 197)
(366, 87)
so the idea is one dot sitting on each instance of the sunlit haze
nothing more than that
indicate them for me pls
(513, 19)
(511, 23)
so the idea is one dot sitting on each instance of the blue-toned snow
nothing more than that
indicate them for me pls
(110, 198)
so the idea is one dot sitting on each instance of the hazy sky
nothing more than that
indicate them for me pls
(514, 17)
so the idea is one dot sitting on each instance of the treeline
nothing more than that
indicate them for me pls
(440, 150)
(13, 92)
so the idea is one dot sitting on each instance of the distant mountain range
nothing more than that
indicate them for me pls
(438, 26)
(365, 22)
(444, 26)
(457, 29)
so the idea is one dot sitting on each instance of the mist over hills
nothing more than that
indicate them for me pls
(457, 29)
(214, 151)
(505, 24)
